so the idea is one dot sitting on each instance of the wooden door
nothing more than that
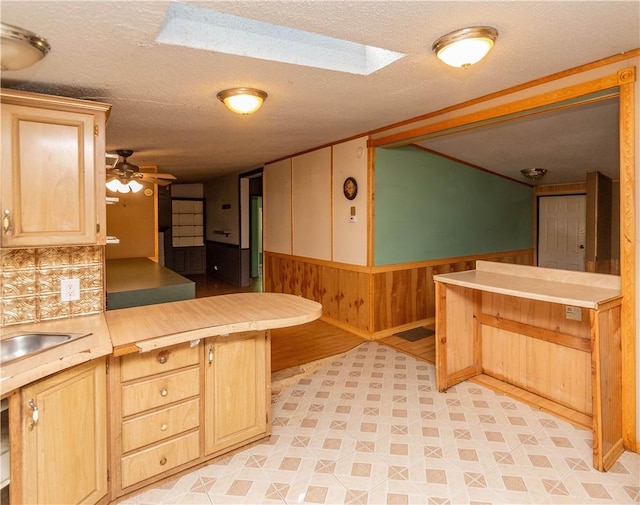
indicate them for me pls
(64, 458)
(561, 232)
(237, 376)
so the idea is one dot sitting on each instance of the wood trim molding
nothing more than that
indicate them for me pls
(522, 105)
(627, 256)
(398, 266)
(459, 259)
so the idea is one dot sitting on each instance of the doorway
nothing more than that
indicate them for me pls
(562, 232)
(250, 184)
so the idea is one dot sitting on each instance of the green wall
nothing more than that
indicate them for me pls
(428, 207)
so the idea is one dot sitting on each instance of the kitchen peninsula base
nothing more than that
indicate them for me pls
(549, 337)
(190, 381)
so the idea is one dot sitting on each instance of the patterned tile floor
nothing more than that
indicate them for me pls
(371, 428)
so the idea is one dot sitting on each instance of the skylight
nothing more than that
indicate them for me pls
(199, 28)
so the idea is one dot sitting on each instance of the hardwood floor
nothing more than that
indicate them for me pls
(298, 345)
(309, 342)
(424, 349)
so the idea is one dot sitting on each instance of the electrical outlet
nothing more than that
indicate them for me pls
(69, 289)
(574, 313)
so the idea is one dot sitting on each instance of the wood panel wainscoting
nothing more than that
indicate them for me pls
(372, 302)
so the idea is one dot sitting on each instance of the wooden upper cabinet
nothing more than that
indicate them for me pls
(52, 171)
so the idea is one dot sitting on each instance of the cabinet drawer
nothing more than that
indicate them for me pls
(135, 366)
(160, 391)
(160, 458)
(160, 425)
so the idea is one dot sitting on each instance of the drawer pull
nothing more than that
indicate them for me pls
(164, 427)
(163, 357)
(164, 392)
(163, 461)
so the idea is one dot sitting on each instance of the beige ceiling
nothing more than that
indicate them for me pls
(163, 97)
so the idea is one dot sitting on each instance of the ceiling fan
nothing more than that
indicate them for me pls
(128, 175)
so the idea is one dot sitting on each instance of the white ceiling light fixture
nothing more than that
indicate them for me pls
(462, 48)
(120, 185)
(242, 100)
(20, 48)
(533, 174)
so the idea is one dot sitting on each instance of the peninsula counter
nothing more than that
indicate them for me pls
(549, 337)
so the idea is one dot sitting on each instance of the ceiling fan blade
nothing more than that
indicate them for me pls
(151, 178)
(158, 176)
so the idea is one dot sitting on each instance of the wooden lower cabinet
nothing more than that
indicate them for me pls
(155, 404)
(177, 407)
(237, 388)
(63, 453)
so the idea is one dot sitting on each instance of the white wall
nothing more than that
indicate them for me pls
(305, 211)
(350, 236)
(311, 204)
(276, 206)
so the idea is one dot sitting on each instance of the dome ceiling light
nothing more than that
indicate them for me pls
(462, 48)
(533, 174)
(242, 100)
(20, 48)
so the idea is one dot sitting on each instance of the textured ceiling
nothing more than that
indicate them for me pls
(163, 96)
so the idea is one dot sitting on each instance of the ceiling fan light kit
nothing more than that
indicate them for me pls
(462, 48)
(242, 100)
(124, 177)
(20, 48)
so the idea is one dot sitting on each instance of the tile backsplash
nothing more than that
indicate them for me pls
(30, 283)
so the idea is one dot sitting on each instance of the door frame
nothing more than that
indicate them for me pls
(621, 82)
(244, 224)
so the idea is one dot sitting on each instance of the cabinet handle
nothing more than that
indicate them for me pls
(164, 392)
(210, 354)
(164, 427)
(6, 221)
(163, 461)
(35, 414)
(163, 357)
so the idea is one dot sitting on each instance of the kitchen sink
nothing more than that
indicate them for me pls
(23, 345)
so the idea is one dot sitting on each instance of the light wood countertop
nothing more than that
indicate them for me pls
(29, 369)
(141, 329)
(580, 289)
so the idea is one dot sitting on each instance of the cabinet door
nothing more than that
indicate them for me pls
(48, 177)
(64, 458)
(236, 382)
